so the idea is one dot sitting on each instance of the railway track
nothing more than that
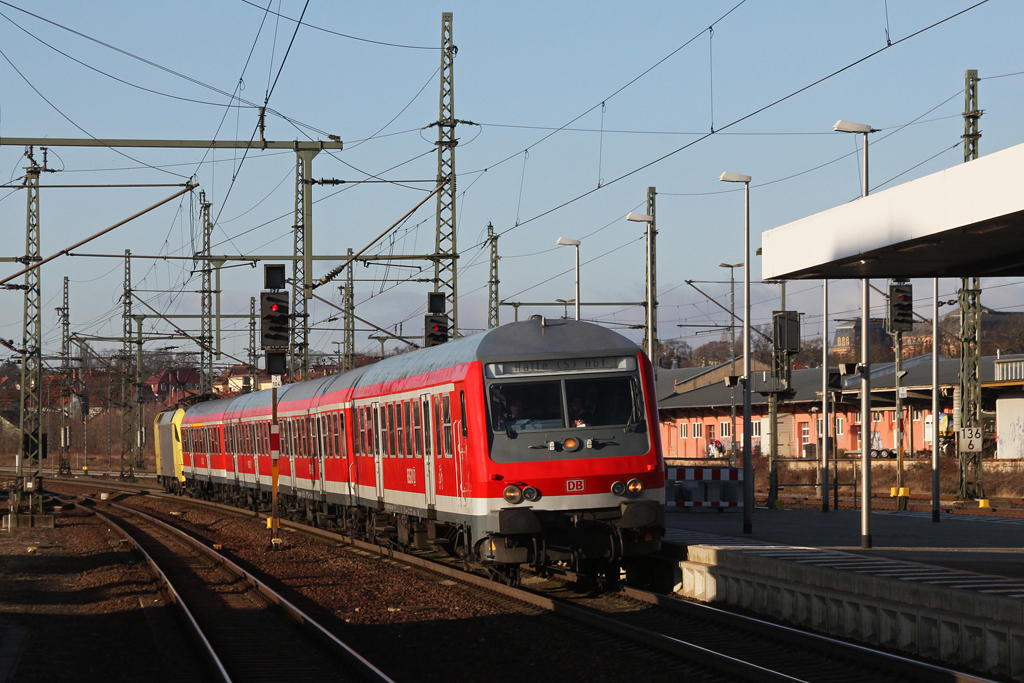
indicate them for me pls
(742, 646)
(701, 642)
(243, 629)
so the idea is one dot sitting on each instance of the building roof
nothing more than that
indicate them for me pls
(964, 221)
(807, 383)
(668, 378)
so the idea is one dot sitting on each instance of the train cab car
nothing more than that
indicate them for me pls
(535, 442)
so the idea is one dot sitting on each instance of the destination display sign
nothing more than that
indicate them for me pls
(554, 366)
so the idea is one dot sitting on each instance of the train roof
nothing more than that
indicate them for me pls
(524, 340)
(529, 339)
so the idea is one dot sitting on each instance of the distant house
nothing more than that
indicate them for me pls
(173, 384)
(233, 380)
(698, 423)
(846, 339)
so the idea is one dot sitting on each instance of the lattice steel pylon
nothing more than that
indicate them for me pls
(970, 481)
(492, 283)
(254, 373)
(446, 249)
(302, 265)
(32, 335)
(206, 294)
(64, 459)
(128, 403)
(348, 299)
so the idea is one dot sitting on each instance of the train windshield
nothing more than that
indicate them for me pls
(524, 406)
(520, 406)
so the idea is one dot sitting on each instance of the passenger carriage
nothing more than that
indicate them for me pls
(425, 449)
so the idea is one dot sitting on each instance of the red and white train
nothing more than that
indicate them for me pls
(535, 442)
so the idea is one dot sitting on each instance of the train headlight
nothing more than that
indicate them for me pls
(618, 488)
(512, 495)
(635, 487)
(531, 494)
(571, 444)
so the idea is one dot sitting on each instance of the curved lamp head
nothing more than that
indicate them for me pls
(566, 242)
(639, 217)
(851, 127)
(734, 178)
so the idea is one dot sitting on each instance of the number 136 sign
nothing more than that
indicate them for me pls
(971, 439)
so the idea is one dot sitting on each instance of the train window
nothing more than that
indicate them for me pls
(175, 431)
(376, 413)
(438, 439)
(358, 432)
(427, 436)
(339, 435)
(391, 431)
(462, 418)
(409, 431)
(417, 423)
(313, 439)
(399, 431)
(523, 406)
(446, 415)
(602, 402)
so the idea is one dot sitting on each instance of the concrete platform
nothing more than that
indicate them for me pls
(951, 591)
(976, 543)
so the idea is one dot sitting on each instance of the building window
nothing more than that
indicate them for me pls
(876, 415)
(817, 426)
(725, 429)
(837, 425)
(697, 430)
(683, 429)
(805, 432)
(916, 412)
(755, 428)
(856, 418)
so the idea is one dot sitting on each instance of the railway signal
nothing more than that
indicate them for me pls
(274, 320)
(901, 308)
(435, 329)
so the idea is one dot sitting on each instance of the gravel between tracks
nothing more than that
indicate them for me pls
(413, 625)
(74, 606)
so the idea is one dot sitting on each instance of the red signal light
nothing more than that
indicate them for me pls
(274, 307)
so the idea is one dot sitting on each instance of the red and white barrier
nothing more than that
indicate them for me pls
(703, 474)
(704, 487)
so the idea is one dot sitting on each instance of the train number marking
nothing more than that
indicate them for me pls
(574, 486)
(410, 476)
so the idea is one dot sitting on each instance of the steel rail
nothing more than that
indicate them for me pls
(696, 653)
(362, 665)
(176, 598)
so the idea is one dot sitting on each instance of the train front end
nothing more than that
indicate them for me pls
(575, 470)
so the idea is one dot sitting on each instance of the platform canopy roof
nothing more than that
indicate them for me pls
(965, 221)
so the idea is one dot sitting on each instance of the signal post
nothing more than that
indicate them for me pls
(274, 337)
(901, 319)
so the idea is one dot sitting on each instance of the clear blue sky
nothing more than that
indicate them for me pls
(522, 70)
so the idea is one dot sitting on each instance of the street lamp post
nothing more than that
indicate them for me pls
(732, 348)
(652, 320)
(748, 467)
(566, 242)
(865, 348)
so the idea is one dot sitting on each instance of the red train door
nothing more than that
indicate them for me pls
(380, 431)
(429, 490)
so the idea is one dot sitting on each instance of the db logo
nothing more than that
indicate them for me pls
(574, 486)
